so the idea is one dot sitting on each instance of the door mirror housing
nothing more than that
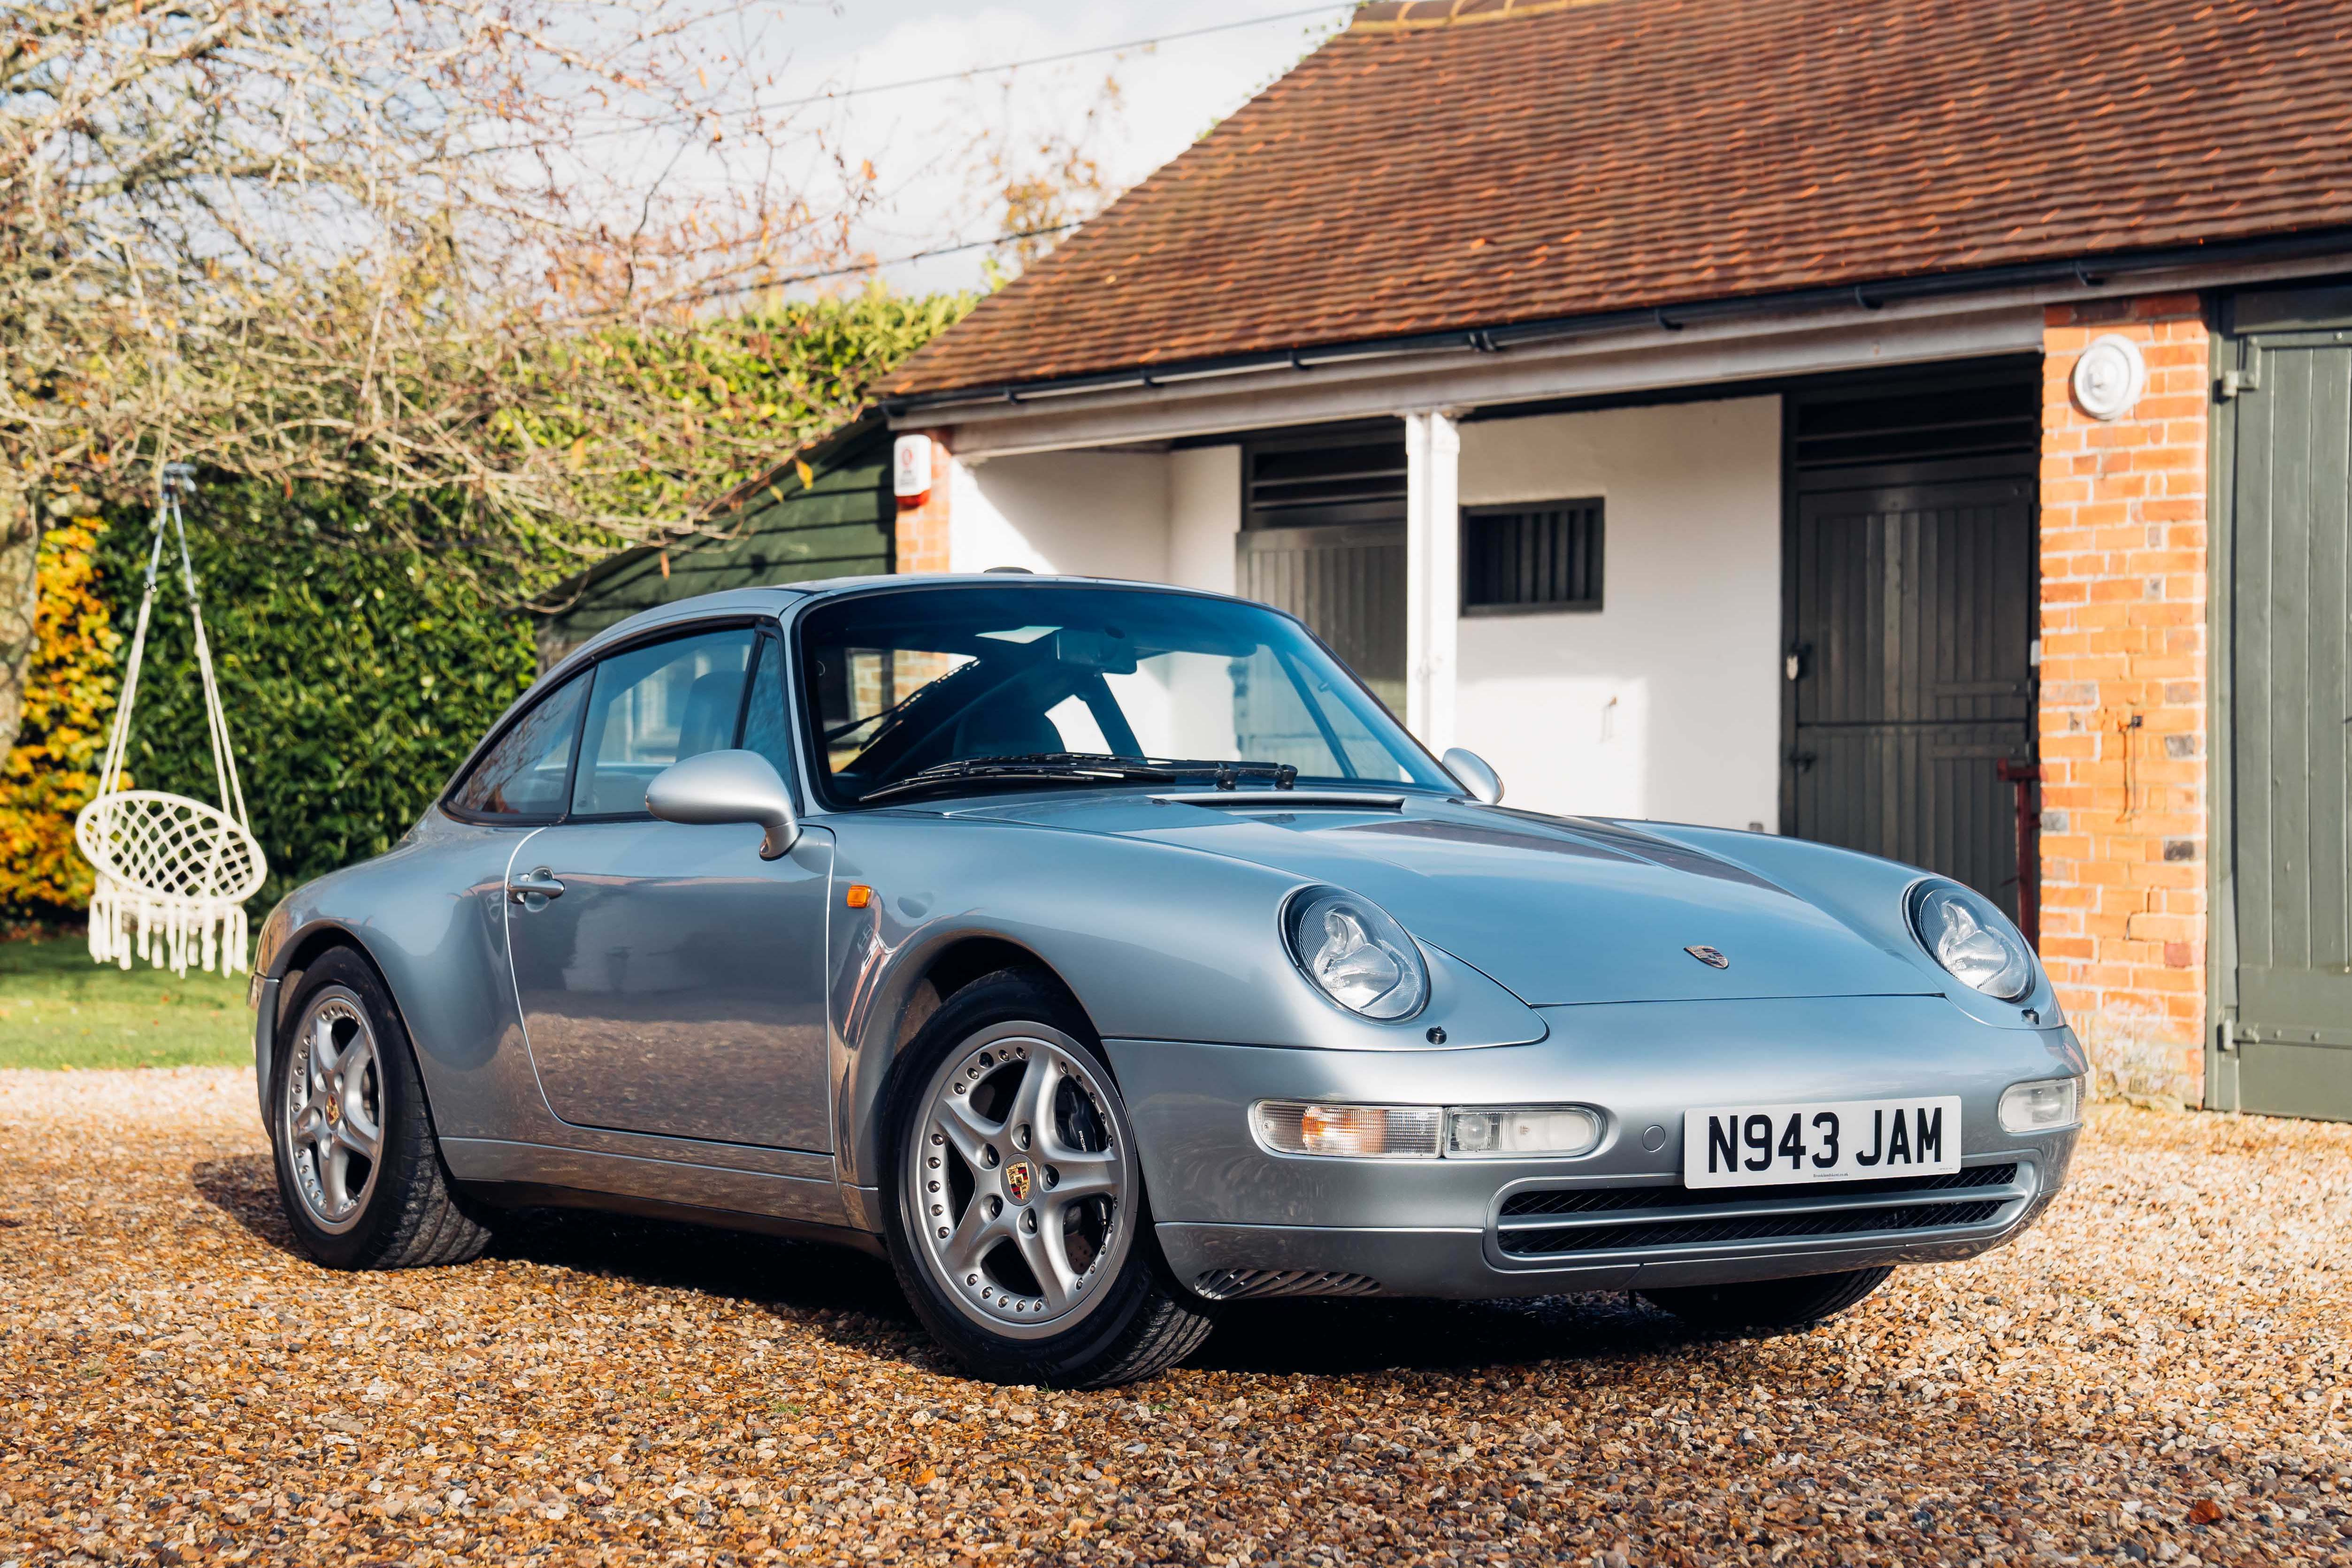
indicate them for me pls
(1482, 782)
(728, 787)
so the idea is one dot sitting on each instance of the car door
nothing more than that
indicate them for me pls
(671, 980)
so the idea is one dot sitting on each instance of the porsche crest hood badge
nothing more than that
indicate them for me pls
(1712, 958)
(1016, 1180)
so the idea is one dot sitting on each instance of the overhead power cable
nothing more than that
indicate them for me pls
(1042, 59)
(704, 296)
(801, 102)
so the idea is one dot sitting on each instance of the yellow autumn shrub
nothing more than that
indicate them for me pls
(68, 701)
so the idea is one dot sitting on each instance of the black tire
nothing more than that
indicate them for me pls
(1768, 1306)
(1140, 1321)
(408, 1214)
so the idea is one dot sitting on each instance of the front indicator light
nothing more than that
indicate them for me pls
(2042, 1106)
(1426, 1132)
(1520, 1132)
(1354, 1132)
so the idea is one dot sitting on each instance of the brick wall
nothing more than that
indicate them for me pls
(922, 538)
(2123, 720)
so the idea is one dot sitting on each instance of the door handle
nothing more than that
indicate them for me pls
(541, 881)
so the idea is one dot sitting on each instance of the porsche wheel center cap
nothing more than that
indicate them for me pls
(1017, 1178)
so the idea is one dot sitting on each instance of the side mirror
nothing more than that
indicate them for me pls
(1483, 783)
(728, 787)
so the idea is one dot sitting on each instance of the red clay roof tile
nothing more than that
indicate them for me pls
(1455, 163)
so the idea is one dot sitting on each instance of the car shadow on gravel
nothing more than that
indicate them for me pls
(245, 1189)
(801, 1277)
(852, 1298)
(1315, 1335)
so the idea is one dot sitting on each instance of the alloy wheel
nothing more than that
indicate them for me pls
(333, 1111)
(1021, 1182)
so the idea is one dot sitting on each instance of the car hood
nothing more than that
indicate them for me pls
(1559, 910)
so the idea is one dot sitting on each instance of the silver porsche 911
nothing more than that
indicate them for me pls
(1103, 952)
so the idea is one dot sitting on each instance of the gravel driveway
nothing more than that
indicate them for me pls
(2159, 1372)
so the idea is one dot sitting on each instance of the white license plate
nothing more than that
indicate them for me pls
(1842, 1140)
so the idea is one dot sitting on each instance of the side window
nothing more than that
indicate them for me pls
(523, 775)
(766, 722)
(653, 706)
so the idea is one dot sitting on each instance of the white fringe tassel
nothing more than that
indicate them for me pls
(170, 933)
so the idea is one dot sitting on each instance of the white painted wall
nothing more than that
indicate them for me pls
(1100, 514)
(1666, 703)
(1149, 515)
(1204, 517)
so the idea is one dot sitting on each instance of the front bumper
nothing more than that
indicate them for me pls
(1233, 1219)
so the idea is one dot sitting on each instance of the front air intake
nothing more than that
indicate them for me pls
(1240, 1284)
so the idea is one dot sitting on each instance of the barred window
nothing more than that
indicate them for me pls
(1544, 555)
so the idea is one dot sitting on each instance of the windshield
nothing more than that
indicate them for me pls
(928, 689)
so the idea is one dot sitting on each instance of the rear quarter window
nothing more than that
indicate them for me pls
(527, 774)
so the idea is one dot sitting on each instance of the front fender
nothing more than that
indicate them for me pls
(430, 916)
(1156, 941)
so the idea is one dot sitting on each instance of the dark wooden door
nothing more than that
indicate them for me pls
(1911, 628)
(2288, 894)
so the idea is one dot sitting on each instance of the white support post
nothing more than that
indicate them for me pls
(1433, 590)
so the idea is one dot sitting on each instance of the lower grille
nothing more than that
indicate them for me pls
(1624, 1220)
(1238, 1284)
(1599, 1200)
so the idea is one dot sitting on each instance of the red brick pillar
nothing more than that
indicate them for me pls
(2123, 720)
(922, 538)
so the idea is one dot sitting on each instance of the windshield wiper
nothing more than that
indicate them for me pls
(1042, 767)
(1082, 767)
(1230, 775)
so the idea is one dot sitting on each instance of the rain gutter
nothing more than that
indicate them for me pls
(2089, 273)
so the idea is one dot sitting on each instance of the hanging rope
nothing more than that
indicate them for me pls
(173, 873)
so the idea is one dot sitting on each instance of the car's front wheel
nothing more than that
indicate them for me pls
(1768, 1306)
(359, 1171)
(1018, 1225)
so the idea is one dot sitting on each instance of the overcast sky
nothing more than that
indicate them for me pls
(919, 139)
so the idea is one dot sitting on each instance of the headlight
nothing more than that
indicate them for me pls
(1964, 932)
(1357, 955)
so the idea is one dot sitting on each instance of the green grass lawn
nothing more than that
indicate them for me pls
(60, 1009)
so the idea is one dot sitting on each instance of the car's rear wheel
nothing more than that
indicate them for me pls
(1768, 1306)
(359, 1171)
(1018, 1224)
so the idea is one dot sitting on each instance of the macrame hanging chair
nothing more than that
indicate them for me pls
(173, 874)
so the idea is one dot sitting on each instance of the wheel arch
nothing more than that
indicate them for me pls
(913, 988)
(302, 953)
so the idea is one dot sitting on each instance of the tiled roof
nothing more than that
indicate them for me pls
(1457, 163)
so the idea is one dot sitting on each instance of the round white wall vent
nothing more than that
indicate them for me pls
(2109, 377)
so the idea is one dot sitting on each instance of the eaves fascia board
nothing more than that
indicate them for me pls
(2081, 278)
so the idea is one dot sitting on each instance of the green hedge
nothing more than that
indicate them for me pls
(355, 678)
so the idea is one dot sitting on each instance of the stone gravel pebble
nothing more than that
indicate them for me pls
(2158, 1372)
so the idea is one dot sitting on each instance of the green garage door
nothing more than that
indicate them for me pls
(2286, 891)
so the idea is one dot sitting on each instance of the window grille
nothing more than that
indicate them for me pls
(1542, 556)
